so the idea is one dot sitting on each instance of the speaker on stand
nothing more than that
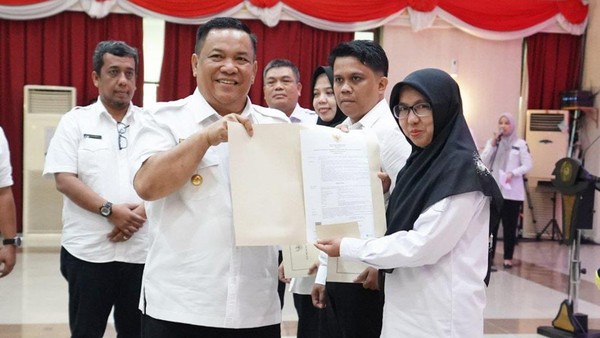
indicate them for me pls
(552, 223)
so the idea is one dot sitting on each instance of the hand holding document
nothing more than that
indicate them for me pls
(502, 176)
(339, 270)
(298, 258)
(287, 180)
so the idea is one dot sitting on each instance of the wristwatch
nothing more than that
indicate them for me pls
(16, 241)
(106, 209)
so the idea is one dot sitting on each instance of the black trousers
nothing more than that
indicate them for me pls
(358, 311)
(94, 288)
(314, 322)
(156, 328)
(510, 219)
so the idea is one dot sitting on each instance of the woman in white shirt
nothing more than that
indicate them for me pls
(436, 247)
(508, 158)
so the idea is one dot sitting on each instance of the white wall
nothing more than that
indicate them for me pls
(489, 72)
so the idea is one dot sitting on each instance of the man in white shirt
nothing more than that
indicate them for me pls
(282, 88)
(8, 213)
(197, 282)
(104, 240)
(360, 71)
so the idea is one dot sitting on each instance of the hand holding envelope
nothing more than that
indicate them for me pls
(329, 246)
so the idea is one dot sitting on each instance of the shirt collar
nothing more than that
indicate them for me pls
(203, 110)
(296, 115)
(101, 109)
(367, 121)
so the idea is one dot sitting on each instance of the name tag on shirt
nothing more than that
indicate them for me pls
(97, 137)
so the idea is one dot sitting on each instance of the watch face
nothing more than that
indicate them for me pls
(106, 209)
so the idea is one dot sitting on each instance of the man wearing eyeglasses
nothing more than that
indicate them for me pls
(104, 240)
(360, 70)
(282, 88)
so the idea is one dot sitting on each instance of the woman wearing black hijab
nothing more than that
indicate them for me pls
(323, 98)
(436, 245)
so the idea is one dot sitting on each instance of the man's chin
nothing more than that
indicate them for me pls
(120, 104)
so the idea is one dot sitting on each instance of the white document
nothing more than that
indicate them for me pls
(297, 259)
(337, 180)
(502, 178)
(266, 184)
(271, 187)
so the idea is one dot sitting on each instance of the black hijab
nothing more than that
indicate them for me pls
(449, 165)
(339, 116)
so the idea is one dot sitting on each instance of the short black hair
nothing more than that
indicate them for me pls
(118, 48)
(367, 52)
(278, 63)
(222, 23)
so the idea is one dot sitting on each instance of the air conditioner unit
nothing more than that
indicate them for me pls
(547, 135)
(43, 106)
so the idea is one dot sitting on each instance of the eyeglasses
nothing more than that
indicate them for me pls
(122, 128)
(420, 110)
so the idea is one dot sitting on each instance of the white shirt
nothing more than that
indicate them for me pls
(436, 288)
(86, 143)
(194, 273)
(393, 147)
(393, 152)
(303, 115)
(518, 162)
(5, 167)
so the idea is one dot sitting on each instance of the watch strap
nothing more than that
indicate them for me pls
(16, 241)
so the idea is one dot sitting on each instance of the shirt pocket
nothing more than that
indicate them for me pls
(514, 159)
(93, 156)
(206, 181)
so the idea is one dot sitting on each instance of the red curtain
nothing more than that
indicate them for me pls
(306, 46)
(554, 64)
(54, 51)
(176, 80)
(506, 15)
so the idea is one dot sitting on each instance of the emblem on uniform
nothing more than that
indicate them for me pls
(196, 179)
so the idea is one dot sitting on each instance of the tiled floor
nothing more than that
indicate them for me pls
(33, 299)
